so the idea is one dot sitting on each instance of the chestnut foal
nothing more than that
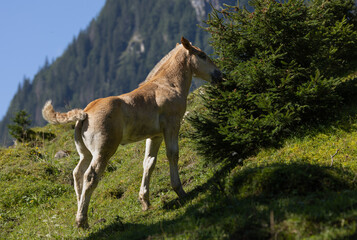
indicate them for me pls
(153, 112)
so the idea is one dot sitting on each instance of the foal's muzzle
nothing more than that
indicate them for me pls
(216, 77)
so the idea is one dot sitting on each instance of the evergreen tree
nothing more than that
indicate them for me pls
(283, 65)
(20, 129)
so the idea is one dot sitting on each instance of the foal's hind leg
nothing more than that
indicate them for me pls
(85, 159)
(78, 172)
(152, 147)
(172, 152)
(90, 181)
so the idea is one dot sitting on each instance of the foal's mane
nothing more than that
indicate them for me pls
(159, 64)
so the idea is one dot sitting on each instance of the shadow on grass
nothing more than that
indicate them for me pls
(291, 179)
(214, 184)
(276, 201)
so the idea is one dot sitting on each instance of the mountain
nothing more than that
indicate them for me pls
(112, 55)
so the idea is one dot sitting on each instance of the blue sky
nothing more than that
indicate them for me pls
(32, 30)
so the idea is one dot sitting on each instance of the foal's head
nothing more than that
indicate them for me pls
(202, 65)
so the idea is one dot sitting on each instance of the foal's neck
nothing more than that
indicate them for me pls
(179, 74)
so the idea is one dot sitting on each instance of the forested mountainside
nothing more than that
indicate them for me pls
(112, 55)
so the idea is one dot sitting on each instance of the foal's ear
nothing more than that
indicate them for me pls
(186, 43)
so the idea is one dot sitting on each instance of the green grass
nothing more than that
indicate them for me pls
(290, 192)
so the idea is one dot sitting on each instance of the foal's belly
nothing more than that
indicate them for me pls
(136, 138)
(136, 132)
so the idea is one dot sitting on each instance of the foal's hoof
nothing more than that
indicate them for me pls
(144, 204)
(82, 224)
(181, 194)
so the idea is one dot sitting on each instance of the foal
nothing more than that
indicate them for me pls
(153, 112)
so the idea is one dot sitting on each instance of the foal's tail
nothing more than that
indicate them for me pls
(53, 117)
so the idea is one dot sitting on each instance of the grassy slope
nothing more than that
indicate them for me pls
(289, 192)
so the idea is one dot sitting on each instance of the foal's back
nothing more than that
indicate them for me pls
(126, 118)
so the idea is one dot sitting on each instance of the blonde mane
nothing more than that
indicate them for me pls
(159, 64)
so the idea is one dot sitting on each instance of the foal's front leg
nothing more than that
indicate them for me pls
(172, 152)
(152, 147)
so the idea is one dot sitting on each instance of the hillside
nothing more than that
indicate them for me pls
(300, 187)
(295, 191)
(112, 55)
